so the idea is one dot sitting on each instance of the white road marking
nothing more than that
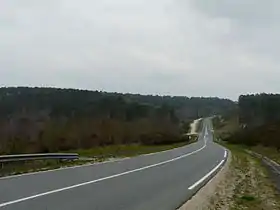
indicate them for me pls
(86, 165)
(99, 180)
(206, 176)
(225, 155)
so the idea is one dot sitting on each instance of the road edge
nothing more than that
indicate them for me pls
(92, 164)
(202, 197)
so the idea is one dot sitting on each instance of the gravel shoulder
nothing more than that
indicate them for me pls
(248, 185)
(242, 184)
(204, 198)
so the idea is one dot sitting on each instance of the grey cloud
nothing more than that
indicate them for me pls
(255, 23)
(210, 48)
(249, 12)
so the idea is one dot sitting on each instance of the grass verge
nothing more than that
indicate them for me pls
(93, 155)
(114, 151)
(226, 128)
(15, 168)
(247, 185)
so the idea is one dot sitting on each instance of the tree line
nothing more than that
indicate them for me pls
(259, 109)
(51, 119)
(259, 120)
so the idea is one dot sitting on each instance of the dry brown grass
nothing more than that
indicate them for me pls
(224, 129)
(246, 186)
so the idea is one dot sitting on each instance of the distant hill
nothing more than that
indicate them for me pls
(71, 102)
(51, 119)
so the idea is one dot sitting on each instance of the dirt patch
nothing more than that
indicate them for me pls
(194, 127)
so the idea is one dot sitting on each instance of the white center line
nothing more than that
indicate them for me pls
(206, 176)
(99, 180)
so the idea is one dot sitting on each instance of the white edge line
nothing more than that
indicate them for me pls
(98, 180)
(225, 155)
(206, 176)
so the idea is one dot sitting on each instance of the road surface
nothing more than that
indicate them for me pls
(160, 181)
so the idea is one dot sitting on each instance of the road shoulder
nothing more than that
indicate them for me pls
(203, 198)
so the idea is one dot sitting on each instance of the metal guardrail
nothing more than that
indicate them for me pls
(40, 156)
(272, 164)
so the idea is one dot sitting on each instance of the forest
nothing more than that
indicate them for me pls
(259, 120)
(259, 109)
(51, 119)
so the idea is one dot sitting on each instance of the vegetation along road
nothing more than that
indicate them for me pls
(155, 181)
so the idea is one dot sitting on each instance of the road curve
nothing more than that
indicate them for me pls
(162, 181)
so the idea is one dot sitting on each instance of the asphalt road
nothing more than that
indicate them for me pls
(160, 181)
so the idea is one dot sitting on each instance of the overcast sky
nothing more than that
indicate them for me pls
(177, 47)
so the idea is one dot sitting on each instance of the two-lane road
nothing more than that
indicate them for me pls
(160, 181)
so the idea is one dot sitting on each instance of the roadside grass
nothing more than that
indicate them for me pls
(226, 128)
(15, 168)
(248, 198)
(114, 151)
(248, 184)
(92, 155)
(89, 156)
